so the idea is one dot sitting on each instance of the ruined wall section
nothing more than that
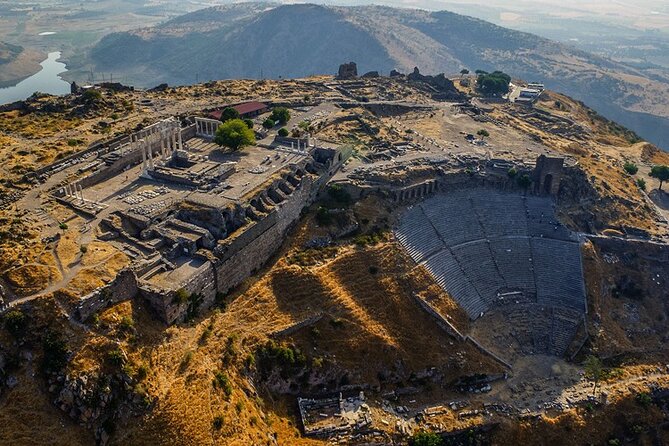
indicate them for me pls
(235, 268)
(123, 287)
(201, 287)
(237, 257)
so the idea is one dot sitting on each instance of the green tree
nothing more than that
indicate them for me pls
(641, 183)
(234, 134)
(280, 115)
(268, 123)
(661, 173)
(493, 84)
(283, 132)
(630, 168)
(426, 439)
(464, 72)
(249, 123)
(512, 172)
(594, 371)
(483, 133)
(229, 114)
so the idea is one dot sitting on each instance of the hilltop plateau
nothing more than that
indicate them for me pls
(110, 337)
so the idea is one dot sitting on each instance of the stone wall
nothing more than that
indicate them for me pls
(240, 257)
(238, 266)
(202, 283)
(123, 287)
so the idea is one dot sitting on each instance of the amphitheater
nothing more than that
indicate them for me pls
(509, 263)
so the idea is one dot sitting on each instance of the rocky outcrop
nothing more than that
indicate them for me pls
(441, 87)
(348, 71)
(371, 74)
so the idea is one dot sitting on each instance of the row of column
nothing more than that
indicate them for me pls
(416, 191)
(169, 141)
(74, 190)
(206, 127)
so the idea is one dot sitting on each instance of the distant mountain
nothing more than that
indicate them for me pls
(251, 40)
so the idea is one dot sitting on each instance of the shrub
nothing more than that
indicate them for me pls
(16, 323)
(268, 123)
(126, 324)
(55, 352)
(63, 226)
(643, 399)
(641, 183)
(373, 269)
(483, 133)
(323, 216)
(524, 181)
(249, 123)
(426, 439)
(115, 357)
(221, 381)
(83, 249)
(339, 194)
(239, 406)
(185, 361)
(512, 172)
(91, 95)
(283, 132)
(630, 168)
(181, 296)
(218, 422)
(142, 372)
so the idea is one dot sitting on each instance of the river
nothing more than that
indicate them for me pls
(47, 80)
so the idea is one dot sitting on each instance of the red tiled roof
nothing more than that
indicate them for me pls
(242, 109)
(249, 107)
(216, 114)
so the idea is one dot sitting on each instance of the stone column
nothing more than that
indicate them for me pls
(143, 157)
(174, 141)
(151, 165)
(81, 193)
(163, 149)
(181, 142)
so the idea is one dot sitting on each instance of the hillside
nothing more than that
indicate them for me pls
(17, 62)
(256, 40)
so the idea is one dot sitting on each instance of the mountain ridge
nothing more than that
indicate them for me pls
(253, 40)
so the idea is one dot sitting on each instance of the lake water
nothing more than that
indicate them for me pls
(47, 80)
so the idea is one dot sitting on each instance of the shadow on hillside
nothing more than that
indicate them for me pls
(660, 198)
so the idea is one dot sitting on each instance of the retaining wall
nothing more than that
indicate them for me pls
(123, 287)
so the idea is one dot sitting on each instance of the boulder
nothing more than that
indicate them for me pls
(370, 74)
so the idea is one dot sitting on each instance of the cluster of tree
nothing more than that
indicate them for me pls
(493, 84)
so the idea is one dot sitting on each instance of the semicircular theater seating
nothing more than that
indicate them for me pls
(500, 251)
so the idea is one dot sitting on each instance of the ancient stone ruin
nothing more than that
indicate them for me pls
(348, 71)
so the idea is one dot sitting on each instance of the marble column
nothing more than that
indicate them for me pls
(148, 149)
